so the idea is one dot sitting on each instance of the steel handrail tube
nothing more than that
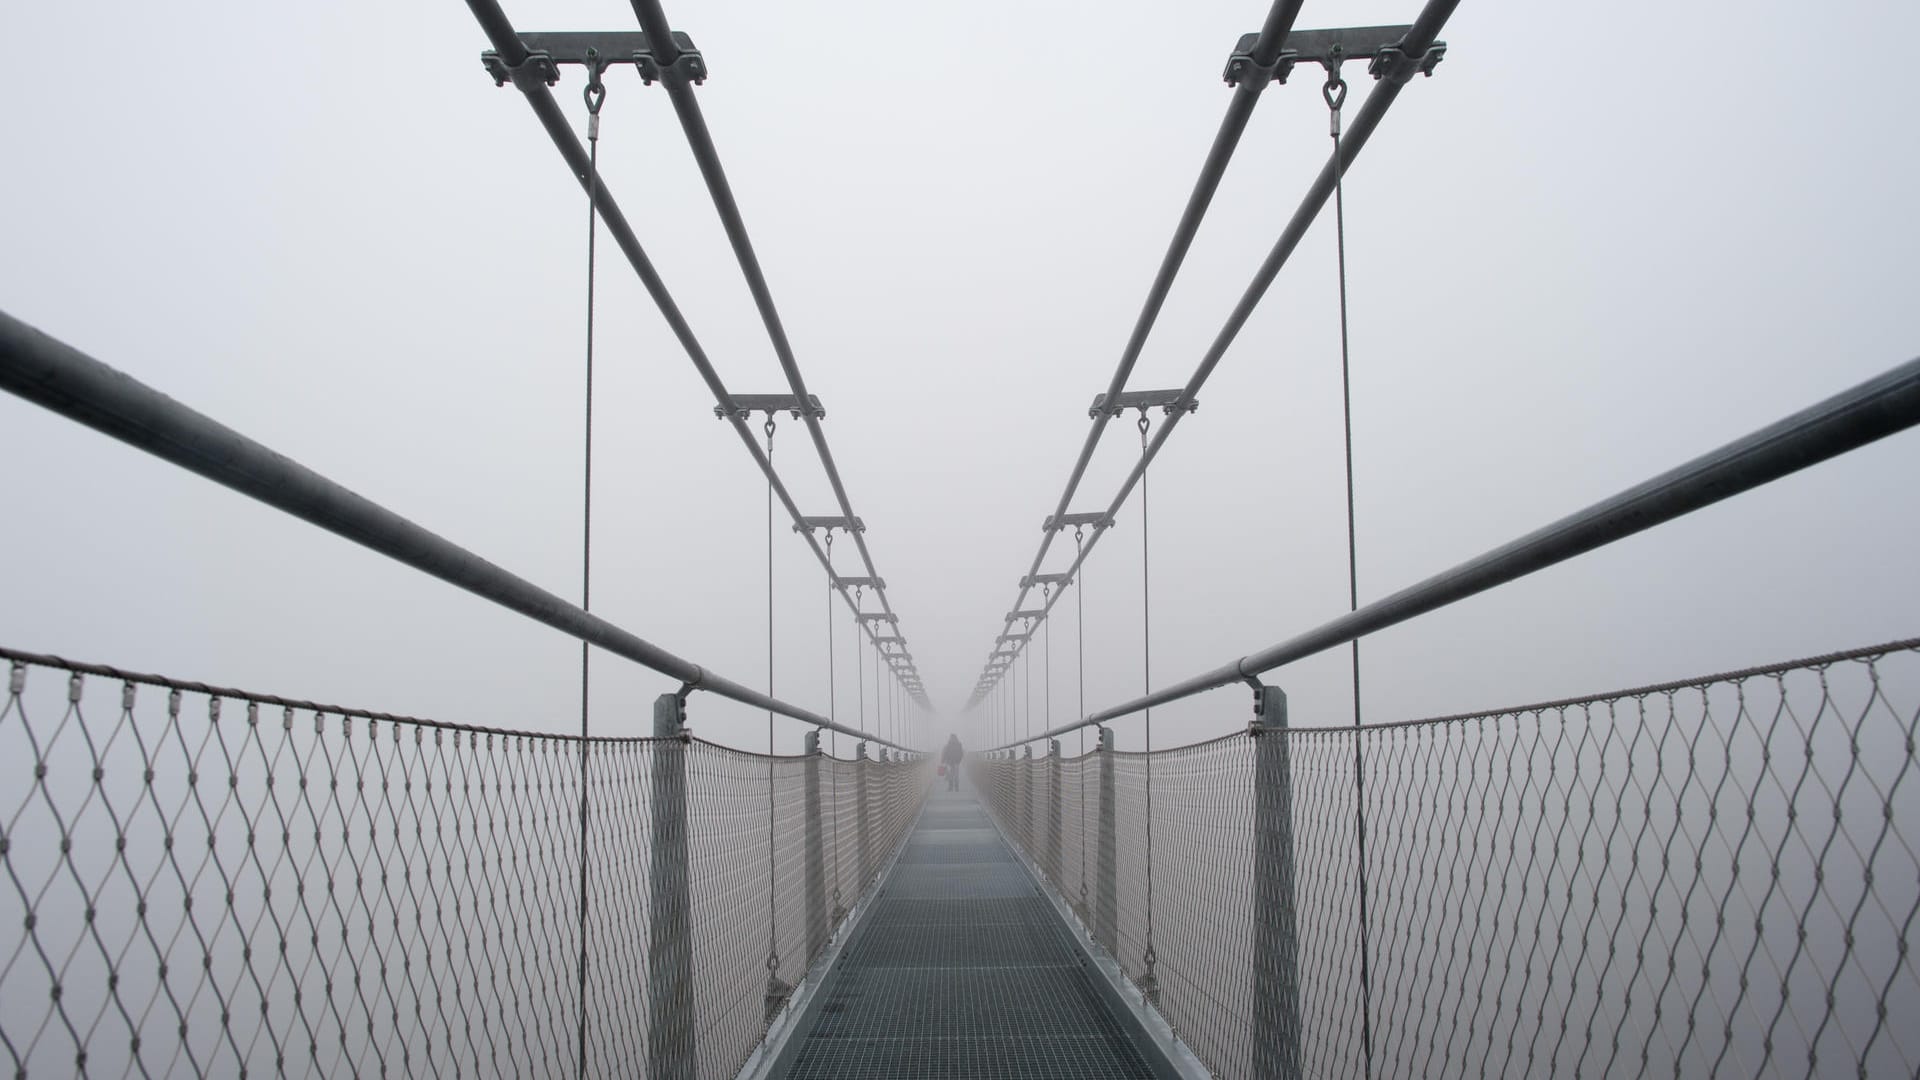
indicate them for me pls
(1426, 28)
(1273, 35)
(506, 42)
(62, 379)
(653, 22)
(1884, 405)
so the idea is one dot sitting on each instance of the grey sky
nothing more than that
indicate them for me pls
(1581, 253)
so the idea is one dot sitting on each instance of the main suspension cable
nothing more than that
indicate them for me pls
(1335, 93)
(596, 96)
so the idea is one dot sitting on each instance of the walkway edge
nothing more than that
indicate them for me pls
(1163, 1050)
(775, 1054)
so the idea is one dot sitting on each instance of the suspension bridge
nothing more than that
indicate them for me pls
(1711, 877)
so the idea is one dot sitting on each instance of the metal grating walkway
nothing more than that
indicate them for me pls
(962, 969)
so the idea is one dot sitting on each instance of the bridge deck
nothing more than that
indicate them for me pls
(962, 969)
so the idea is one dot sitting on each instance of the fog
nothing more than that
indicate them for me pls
(1581, 253)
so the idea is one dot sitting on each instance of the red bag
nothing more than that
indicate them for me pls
(943, 770)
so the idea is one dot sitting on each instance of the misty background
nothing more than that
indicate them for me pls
(1598, 242)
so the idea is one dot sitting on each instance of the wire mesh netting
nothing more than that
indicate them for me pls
(208, 883)
(1711, 878)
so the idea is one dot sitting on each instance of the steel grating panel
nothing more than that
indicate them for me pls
(977, 854)
(964, 943)
(981, 835)
(1008, 911)
(963, 970)
(971, 881)
(949, 1003)
(979, 1056)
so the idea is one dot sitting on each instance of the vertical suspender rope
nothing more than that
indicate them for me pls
(833, 737)
(596, 96)
(773, 935)
(1046, 670)
(1148, 985)
(859, 657)
(1080, 668)
(1335, 93)
(1026, 657)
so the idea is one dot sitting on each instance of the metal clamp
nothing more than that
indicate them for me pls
(538, 69)
(1242, 67)
(1394, 65)
(689, 65)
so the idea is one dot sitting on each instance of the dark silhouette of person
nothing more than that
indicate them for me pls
(950, 757)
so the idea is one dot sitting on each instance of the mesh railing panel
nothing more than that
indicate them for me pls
(1716, 878)
(203, 882)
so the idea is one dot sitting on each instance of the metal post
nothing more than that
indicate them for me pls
(1276, 947)
(817, 921)
(861, 770)
(1053, 810)
(1106, 906)
(670, 948)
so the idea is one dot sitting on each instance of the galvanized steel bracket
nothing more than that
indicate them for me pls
(1380, 45)
(808, 523)
(1167, 401)
(743, 406)
(1099, 519)
(547, 50)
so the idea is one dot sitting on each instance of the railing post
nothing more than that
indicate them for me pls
(816, 852)
(670, 940)
(1106, 895)
(865, 842)
(1053, 810)
(1276, 948)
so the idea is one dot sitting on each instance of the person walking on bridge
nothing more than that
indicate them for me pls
(950, 757)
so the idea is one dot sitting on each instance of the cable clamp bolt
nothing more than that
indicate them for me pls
(1394, 65)
(1242, 67)
(538, 69)
(689, 65)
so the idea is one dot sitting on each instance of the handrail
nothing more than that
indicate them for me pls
(64, 380)
(1881, 406)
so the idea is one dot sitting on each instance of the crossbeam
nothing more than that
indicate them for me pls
(592, 48)
(862, 582)
(743, 406)
(1380, 45)
(829, 522)
(1099, 519)
(1030, 580)
(1167, 401)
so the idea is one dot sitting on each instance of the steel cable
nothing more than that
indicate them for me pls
(1335, 93)
(1148, 984)
(595, 96)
